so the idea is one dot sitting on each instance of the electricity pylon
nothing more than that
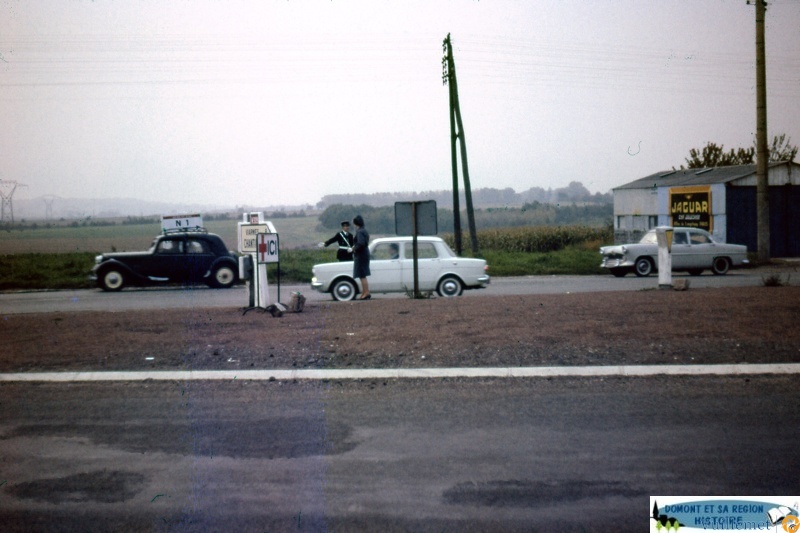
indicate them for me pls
(7, 189)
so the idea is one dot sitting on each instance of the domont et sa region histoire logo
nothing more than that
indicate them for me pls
(741, 513)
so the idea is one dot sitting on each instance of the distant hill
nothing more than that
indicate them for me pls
(48, 208)
(55, 208)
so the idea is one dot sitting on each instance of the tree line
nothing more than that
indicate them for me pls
(381, 220)
(484, 197)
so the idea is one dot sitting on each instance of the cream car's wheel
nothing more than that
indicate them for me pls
(343, 290)
(644, 267)
(450, 286)
(112, 280)
(720, 266)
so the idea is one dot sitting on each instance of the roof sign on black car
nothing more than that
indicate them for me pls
(173, 223)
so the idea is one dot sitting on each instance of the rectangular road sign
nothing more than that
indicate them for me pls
(181, 222)
(248, 234)
(267, 248)
(426, 223)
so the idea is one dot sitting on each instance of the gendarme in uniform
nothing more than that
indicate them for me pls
(345, 240)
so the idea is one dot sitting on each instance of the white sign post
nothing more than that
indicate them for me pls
(664, 239)
(258, 238)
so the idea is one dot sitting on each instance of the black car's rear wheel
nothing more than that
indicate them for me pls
(111, 280)
(223, 277)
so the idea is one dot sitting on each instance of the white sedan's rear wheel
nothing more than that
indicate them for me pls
(450, 286)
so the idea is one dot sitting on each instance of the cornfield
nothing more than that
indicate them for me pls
(541, 239)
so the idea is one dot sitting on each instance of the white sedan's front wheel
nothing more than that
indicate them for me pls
(449, 286)
(343, 290)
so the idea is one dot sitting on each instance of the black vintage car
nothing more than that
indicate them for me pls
(176, 257)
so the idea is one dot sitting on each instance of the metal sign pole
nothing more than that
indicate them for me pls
(414, 247)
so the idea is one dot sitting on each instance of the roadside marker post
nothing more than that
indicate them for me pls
(664, 239)
(259, 240)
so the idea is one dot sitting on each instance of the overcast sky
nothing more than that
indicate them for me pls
(270, 102)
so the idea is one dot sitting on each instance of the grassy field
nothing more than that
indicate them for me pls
(298, 232)
(61, 258)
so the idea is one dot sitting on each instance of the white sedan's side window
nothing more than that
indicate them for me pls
(425, 250)
(385, 251)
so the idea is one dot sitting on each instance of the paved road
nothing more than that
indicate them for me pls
(447, 454)
(564, 454)
(201, 296)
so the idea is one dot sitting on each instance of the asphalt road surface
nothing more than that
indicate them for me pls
(438, 454)
(398, 455)
(201, 296)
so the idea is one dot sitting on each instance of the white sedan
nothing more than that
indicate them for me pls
(392, 267)
(693, 250)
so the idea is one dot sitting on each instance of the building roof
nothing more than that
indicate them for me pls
(694, 176)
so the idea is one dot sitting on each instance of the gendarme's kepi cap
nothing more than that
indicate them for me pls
(345, 223)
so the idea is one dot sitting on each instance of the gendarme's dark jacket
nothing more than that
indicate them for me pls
(345, 241)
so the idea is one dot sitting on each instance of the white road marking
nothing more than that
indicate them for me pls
(408, 373)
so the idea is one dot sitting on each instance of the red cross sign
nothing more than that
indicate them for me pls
(267, 248)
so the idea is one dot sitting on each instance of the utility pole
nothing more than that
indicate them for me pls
(762, 152)
(457, 132)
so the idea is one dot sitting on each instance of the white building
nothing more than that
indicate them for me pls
(721, 200)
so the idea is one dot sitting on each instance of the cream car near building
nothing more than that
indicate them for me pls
(693, 250)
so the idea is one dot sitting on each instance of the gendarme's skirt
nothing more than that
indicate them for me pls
(361, 265)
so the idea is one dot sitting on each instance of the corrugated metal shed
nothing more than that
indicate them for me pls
(780, 173)
(693, 176)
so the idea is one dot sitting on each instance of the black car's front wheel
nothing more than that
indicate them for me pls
(223, 277)
(111, 280)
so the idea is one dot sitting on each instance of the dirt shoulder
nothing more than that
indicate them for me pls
(741, 325)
